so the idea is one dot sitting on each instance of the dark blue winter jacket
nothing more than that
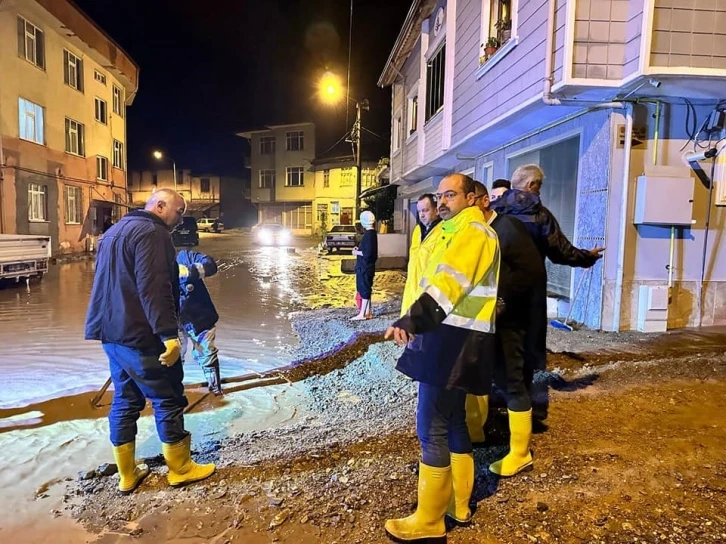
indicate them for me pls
(196, 309)
(544, 228)
(135, 296)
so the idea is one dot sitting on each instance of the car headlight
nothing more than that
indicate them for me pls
(264, 235)
(284, 235)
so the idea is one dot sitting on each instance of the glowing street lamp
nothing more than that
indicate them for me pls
(158, 155)
(331, 92)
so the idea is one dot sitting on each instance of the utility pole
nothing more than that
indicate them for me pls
(357, 133)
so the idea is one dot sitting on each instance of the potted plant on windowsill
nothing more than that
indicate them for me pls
(491, 47)
(504, 27)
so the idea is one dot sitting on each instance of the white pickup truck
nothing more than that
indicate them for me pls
(23, 256)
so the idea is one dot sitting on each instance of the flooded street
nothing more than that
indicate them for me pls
(48, 429)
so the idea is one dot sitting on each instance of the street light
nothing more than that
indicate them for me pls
(330, 90)
(158, 155)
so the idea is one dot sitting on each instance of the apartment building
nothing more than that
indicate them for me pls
(283, 187)
(611, 98)
(63, 97)
(334, 189)
(201, 192)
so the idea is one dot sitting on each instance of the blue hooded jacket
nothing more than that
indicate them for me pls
(196, 309)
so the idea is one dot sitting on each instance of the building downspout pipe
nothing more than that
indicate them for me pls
(549, 54)
(624, 197)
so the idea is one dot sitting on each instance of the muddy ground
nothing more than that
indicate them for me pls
(634, 452)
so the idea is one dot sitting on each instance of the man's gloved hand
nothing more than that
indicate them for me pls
(172, 353)
(183, 272)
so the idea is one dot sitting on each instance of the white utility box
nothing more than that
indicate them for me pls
(719, 179)
(652, 308)
(664, 201)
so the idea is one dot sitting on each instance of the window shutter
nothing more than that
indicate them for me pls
(40, 48)
(66, 71)
(79, 74)
(21, 37)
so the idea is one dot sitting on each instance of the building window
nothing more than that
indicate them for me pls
(397, 133)
(295, 176)
(37, 202)
(118, 101)
(74, 205)
(102, 168)
(412, 114)
(326, 179)
(435, 69)
(155, 179)
(497, 25)
(295, 141)
(72, 71)
(267, 145)
(75, 141)
(98, 76)
(31, 43)
(30, 121)
(347, 177)
(101, 111)
(267, 179)
(118, 154)
(204, 185)
(299, 217)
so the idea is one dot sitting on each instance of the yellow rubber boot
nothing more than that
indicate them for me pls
(434, 492)
(477, 410)
(130, 474)
(462, 477)
(519, 457)
(182, 470)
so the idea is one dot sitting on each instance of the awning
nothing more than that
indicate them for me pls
(98, 202)
(374, 190)
(200, 206)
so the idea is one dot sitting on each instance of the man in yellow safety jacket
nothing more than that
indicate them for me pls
(449, 337)
(422, 244)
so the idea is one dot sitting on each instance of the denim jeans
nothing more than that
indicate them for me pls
(204, 352)
(138, 376)
(441, 424)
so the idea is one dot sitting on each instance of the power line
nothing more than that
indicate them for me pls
(350, 47)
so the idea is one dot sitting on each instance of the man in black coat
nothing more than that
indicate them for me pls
(521, 273)
(133, 311)
(523, 202)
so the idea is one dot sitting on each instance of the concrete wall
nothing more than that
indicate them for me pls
(647, 247)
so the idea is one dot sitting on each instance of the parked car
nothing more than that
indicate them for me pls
(341, 237)
(186, 233)
(210, 224)
(272, 235)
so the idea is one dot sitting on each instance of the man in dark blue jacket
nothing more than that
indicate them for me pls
(523, 202)
(133, 312)
(197, 314)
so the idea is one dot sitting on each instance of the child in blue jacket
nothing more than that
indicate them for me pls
(197, 314)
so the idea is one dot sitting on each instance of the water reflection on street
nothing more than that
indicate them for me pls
(41, 327)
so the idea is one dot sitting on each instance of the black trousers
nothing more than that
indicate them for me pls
(510, 368)
(535, 348)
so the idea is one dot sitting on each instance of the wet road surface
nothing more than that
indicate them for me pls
(41, 327)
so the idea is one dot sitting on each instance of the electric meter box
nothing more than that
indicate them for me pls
(664, 201)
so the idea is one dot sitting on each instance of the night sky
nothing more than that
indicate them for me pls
(213, 68)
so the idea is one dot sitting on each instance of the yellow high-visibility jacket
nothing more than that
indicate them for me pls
(462, 271)
(418, 256)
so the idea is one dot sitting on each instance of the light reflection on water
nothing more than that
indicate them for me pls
(44, 353)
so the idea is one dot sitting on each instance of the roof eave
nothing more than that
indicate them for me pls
(420, 9)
